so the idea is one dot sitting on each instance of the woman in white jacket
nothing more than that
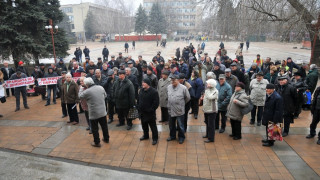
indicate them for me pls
(210, 109)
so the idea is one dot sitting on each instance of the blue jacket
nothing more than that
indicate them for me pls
(273, 109)
(197, 86)
(184, 69)
(225, 93)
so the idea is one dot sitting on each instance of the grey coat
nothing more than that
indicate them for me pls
(234, 109)
(163, 91)
(95, 96)
(232, 81)
(258, 91)
(177, 99)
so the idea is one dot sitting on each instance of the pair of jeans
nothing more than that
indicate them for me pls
(73, 113)
(23, 91)
(259, 113)
(173, 128)
(95, 129)
(223, 119)
(149, 123)
(123, 115)
(209, 119)
(236, 128)
(64, 109)
(54, 89)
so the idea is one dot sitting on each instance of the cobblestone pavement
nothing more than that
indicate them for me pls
(42, 132)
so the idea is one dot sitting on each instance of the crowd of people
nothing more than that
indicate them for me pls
(276, 91)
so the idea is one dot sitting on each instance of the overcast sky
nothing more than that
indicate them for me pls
(63, 2)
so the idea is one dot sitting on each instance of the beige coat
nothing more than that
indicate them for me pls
(234, 109)
(163, 91)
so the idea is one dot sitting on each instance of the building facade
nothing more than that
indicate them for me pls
(106, 20)
(183, 16)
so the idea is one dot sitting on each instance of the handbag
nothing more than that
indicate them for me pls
(3, 99)
(274, 132)
(133, 113)
(247, 109)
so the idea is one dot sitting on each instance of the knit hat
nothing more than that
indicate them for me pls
(234, 64)
(166, 72)
(20, 62)
(110, 72)
(147, 81)
(182, 76)
(270, 86)
(240, 84)
(228, 70)
(297, 74)
(122, 71)
(259, 73)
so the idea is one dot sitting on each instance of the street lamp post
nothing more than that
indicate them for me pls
(51, 31)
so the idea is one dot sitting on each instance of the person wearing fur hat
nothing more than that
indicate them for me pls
(147, 105)
(210, 109)
(151, 76)
(238, 101)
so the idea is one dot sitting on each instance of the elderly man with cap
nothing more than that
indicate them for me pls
(133, 79)
(134, 70)
(225, 93)
(105, 69)
(105, 54)
(100, 63)
(152, 77)
(70, 97)
(253, 70)
(91, 66)
(178, 96)
(173, 70)
(238, 101)
(183, 67)
(113, 63)
(301, 87)
(258, 97)
(289, 96)
(108, 87)
(312, 78)
(90, 72)
(231, 79)
(18, 90)
(162, 88)
(235, 71)
(120, 58)
(60, 83)
(147, 105)
(217, 71)
(273, 111)
(182, 80)
(124, 98)
(95, 95)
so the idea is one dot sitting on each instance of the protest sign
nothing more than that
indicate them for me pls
(19, 82)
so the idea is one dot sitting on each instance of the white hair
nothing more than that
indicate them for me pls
(6, 62)
(313, 66)
(88, 81)
(128, 69)
(211, 75)
(98, 70)
(68, 75)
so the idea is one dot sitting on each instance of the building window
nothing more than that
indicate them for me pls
(72, 26)
(67, 9)
(71, 19)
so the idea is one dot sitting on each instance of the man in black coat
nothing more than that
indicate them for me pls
(113, 63)
(7, 72)
(108, 87)
(147, 105)
(235, 71)
(105, 54)
(123, 91)
(289, 96)
(315, 111)
(273, 110)
(301, 87)
(134, 81)
(86, 52)
(50, 87)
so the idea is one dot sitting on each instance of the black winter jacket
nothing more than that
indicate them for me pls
(148, 103)
(289, 96)
(273, 109)
(124, 94)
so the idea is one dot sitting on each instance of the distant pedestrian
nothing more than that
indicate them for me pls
(86, 52)
(105, 54)
(95, 96)
(247, 44)
(133, 45)
(126, 47)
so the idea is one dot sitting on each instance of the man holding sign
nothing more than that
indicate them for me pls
(50, 87)
(20, 89)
